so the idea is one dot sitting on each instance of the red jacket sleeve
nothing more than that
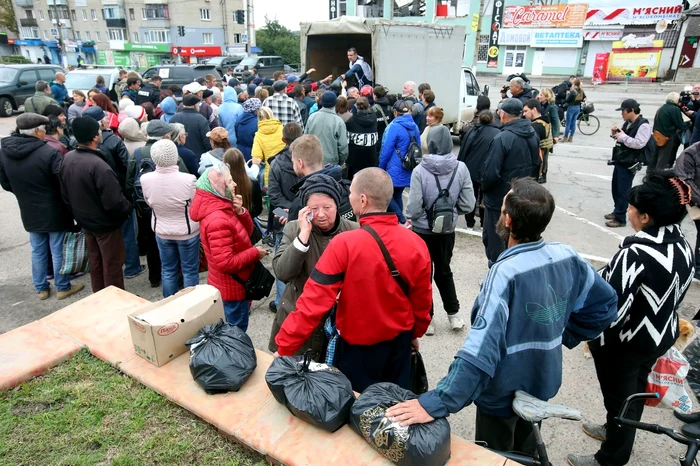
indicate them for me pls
(314, 86)
(319, 295)
(421, 297)
(221, 244)
(247, 221)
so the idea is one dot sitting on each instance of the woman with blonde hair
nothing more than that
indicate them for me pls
(262, 94)
(549, 108)
(573, 109)
(267, 142)
(433, 118)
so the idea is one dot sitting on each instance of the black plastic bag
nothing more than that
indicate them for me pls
(692, 354)
(222, 357)
(416, 445)
(317, 393)
(419, 378)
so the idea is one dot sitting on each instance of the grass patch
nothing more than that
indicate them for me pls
(86, 412)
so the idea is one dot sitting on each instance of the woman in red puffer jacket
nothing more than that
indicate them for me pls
(225, 227)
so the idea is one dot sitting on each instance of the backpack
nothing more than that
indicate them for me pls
(441, 213)
(142, 166)
(411, 159)
(648, 155)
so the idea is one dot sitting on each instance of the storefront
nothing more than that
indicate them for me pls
(597, 41)
(193, 54)
(32, 49)
(635, 60)
(137, 56)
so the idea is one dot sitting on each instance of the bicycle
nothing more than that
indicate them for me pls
(534, 410)
(587, 124)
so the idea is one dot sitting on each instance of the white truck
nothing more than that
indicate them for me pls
(398, 52)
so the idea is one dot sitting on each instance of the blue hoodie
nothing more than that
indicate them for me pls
(246, 127)
(229, 113)
(169, 107)
(396, 137)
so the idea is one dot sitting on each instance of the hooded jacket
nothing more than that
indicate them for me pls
(133, 135)
(38, 102)
(475, 148)
(229, 113)
(225, 238)
(169, 193)
(382, 110)
(398, 138)
(211, 158)
(246, 127)
(169, 107)
(267, 142)
(424, 190)
(280, 182)
(363, 141)
(197, 128)
(30, 169)
(330, 129)
(59, 91)
(513, 153)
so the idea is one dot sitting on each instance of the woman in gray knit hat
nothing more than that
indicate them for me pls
(303, 243)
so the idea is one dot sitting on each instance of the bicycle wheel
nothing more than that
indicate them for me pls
(588, 124)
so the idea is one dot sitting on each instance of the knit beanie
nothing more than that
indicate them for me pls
(329, 99)
(125, 103)
(164, 153)
(320, 184)
(85, 129)
(136, 112)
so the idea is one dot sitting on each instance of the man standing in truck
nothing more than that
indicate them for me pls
(358, 68)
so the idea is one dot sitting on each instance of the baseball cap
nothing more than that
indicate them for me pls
(193, 88)
(512, 106)
(400, 106)
(628, 104)
(218, 134)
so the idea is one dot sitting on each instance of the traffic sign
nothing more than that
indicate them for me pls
(54, 32)
(244, 38)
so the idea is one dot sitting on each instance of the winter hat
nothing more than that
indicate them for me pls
(125, 103)
(279, 86)
(159, 128)
(31, 121)
(320, 184)
(252, 105)
(215, 180)
(190, 100)
(94, 112)
(292, 79)
(84, 129)
(329, 99)
(440, 141)
(136, 112)
(206, 94)
(512, 106)
(164, 153)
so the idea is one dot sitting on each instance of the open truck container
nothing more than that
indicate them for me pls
(398, 52)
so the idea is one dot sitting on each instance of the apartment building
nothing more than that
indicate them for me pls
(127, 32)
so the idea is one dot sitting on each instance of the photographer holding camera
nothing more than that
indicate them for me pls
(628, 153)
(692, 114)
(668, 122)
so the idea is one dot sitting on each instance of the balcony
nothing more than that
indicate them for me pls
(28, 22)
(56, 2)
(25, 3)
(116, 23)
(65, 23)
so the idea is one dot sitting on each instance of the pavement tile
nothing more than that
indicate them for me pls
(28, 351)
(466, 452)
(99, 322)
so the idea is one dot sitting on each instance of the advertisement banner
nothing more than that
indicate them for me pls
(199, 51)
(600, 68)
(562, 38)
(602, 34)
(158, 48)
(515, 36)
(641, 15)
(545, 16)
(496, 23)
(635, 62)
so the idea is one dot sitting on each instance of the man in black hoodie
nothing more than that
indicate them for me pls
(513, 154)
(30, 168)
(540, 123)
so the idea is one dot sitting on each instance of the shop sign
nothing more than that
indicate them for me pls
(641, 15)
(545, 16)
(496, 23)
(157, 48)
(641, 62)
(602, 35)
(515, 36)
(562, 38)
(631, 41)
(29, 42)
(198, 51)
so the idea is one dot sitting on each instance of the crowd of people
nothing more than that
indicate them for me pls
(183, 184)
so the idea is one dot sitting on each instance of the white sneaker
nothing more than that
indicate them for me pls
(431, 329)
(456, 322)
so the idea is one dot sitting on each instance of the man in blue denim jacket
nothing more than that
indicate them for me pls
(536, 296)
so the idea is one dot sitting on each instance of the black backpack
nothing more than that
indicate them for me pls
(441, 213)
(142, 166)
(413, 155)
(648, 155)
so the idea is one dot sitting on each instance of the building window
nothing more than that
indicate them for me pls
(158, 36)
(84, 15)
(94, 14)
(87, 36)
(204, 14)
(136, 37)
(156, 11)
(342, 8)
(116, 34)
(236, 38)
(77, 35)
(46, 35)
(131, 14)
(72, 15)
(98, 36)
(29, 14)
(482, 55)
(207, 38)
(29, 33)
(402, 8)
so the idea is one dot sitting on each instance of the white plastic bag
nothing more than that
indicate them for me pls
(667, 378)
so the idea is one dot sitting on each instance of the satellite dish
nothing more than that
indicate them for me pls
(661, 26)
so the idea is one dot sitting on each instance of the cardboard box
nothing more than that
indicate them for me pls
(159, 330)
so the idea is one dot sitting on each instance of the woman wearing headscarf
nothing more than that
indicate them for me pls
(132, 134)
(169, 107)
(169, 193)
(247, 126)
(433, 118)
(651, 274)
(225, 227)
(301, 247)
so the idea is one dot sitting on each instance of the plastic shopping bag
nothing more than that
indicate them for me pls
(667, 378)
(222, 357)
(75, 254)
(416, 445)
(317, 393)
(419, 378)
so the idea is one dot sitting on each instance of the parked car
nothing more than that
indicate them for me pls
(84, 79)
(224, 63)
(180, 74)
(17, 84)
(289, 70)
(266, 65)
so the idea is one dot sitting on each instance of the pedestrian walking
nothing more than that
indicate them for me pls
(546, 99)
(572, 106)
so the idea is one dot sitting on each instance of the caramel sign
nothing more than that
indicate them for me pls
(545, 16)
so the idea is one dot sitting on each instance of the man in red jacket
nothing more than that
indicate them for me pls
(380, 315)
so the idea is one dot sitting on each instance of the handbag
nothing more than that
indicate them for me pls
(259, 284)
(661, 140)
(419, 378)
(75, 254)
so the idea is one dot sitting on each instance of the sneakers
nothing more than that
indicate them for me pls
(456, 322)
(74, 288)
(142, 270)
(615, 224)
(43, 295)
(431, 329)
(609, 216)
(576, 460)
(596, 431)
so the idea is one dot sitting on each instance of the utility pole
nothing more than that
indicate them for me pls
(64, 58)
(482, 9)
(248, 19)
(225, 21)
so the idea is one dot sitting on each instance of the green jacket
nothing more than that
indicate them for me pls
(330, 130)
(669, 120)
(38, 102)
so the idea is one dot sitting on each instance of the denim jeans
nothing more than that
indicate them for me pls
(41, 243)
(176, 255)
(571, 117)
(133, 262)
(621, 184)
(279, 284)
(237, 313)
(396, 204)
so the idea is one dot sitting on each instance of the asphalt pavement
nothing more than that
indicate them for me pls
(579, 179)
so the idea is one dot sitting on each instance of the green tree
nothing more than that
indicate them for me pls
(275, 39)
(8, 20)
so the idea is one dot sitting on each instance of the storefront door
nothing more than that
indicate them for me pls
(538, 62)
(514, 59)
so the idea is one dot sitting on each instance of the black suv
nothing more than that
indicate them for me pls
(180, 74)
(222, 64)
(17, 84)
